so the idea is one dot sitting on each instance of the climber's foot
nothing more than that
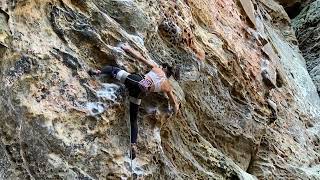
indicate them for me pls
(133, 151)
(92, 72)
(125, 46)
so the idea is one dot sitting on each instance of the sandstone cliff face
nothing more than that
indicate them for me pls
(249, 107)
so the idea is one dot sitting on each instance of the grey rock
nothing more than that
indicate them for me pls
(307, 27)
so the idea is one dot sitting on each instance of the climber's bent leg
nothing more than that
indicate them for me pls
(132, 84)
(115, 72)
(134, 109)
(122, 76)
(110, 70)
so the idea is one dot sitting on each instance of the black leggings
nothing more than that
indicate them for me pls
(132, 84)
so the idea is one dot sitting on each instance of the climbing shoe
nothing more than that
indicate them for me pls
(133, 151)
(92, 72)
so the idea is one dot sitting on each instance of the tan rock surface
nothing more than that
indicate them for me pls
(249, 107)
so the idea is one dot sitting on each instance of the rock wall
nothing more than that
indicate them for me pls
(294, 7)
(249, 107)
(307, 28)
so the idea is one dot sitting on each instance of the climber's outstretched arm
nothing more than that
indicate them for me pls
(127, 48)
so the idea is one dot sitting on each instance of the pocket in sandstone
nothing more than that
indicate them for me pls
(180, 37)
(68, 59)
(171, 32)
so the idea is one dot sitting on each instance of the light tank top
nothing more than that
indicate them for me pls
(157, 80)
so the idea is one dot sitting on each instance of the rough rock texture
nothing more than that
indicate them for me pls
(249, 107)
(307, 27)
(293, 7)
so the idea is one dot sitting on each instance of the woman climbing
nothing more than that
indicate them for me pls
(155, 80)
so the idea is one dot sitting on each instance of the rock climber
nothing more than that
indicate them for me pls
(138, 86)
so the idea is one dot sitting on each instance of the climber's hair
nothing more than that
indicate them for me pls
(171, 71)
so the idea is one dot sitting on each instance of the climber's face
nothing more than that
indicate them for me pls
(165, 70)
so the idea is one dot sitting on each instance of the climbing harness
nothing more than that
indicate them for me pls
(157, 80)
(145, 85)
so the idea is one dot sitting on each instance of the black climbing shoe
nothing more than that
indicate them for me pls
(94, 72)
(133, 151)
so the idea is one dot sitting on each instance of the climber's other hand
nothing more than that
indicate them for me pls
(125, 46)
(176, 108)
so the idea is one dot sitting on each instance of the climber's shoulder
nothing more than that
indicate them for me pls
(157, 69)
(166, 86)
